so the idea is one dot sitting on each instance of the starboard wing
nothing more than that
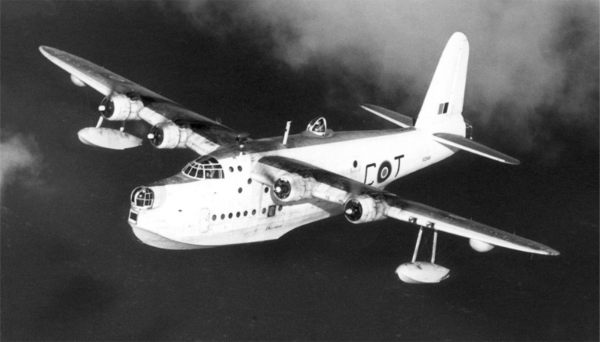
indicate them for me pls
(396, 207)
(109, 83)
(102, 80)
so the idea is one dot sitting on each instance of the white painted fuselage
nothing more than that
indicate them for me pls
(240, 208)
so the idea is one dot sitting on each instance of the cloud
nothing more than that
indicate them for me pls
(20, 159)
(529, 59)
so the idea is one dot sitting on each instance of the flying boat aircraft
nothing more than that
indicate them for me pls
(242, 190)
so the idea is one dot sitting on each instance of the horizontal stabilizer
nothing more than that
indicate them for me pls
(389, 115)
(468, 145)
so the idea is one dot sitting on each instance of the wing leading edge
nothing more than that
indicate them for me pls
(398, 208)
(100, 79)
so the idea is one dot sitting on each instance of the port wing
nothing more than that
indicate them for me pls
(341, 189)
(421, 214)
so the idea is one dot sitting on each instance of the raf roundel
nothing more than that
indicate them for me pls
(385, 169)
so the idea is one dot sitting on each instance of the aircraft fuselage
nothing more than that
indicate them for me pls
(239, 208)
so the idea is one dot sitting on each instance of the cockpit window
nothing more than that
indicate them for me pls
(204, 168)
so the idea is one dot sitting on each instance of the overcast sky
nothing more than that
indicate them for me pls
(528, 57)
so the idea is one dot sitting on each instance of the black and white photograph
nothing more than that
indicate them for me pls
(334, 170)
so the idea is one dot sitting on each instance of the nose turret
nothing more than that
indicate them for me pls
(167, 216)
(142, 197)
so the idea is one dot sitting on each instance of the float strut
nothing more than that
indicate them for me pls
(418, 243)
(434, 246)
(100, 119)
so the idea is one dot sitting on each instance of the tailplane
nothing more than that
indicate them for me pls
(441, 113)
(443, 104)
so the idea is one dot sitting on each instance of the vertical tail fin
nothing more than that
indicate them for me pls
(443, 104)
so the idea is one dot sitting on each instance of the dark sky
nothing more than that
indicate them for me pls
(72, 270)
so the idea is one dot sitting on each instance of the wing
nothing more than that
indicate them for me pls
(418, 213)
(155, 109)
(340, 189)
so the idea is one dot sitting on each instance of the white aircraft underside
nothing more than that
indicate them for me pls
(242, 190)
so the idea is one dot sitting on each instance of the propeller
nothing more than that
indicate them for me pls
(106, 107)
(155, 135)
(282, 188)
(353, 210)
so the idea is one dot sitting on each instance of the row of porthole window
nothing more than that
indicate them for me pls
(245, 213)
(239, 168)
(249, 182)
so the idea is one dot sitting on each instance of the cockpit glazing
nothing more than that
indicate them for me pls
(204, 168)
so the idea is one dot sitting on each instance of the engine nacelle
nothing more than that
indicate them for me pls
(292, 188)
(480, 246)
(363, 209)
(120, 107)
(168, 135)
